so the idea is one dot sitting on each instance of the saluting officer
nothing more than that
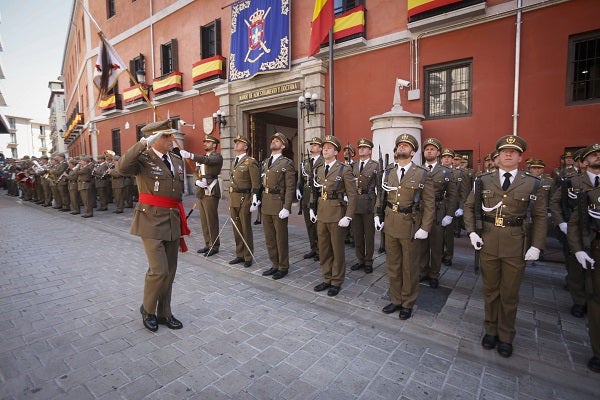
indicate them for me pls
(584, 240)
(332, 215)
(304, 190)
(502, 201)
(368, 177)
(208, 192)
(278, 183)
(158, 218)
(446, 203)
(407, 203)
(244, 187)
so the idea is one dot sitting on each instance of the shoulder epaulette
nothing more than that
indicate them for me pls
(422, 167)
(527, 173)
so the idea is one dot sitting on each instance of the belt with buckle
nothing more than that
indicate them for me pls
(503, 221)
(232, 190)
(329, 196)
(397, 209)
(272, 191)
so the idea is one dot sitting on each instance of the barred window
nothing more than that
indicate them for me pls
(448, 90)
(584, 68)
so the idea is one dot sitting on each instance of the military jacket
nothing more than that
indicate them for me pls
(406, 205)
(100, 174)
(506, 230)
(117, 180)
(244, 180)
(584, 224)
(446, 193)
(84, 176)
(328, 198)
(213, 163)
(463, 185)
(278, 183)
(306, 177)
(154, 177)
(59, 173)
(563, 196)
(366, 184)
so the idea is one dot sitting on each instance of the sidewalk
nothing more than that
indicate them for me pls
(71, 288)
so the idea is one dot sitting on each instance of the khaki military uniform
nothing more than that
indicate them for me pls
(159, 227)
(278, 183)
(463, 188)
(306, 187)
(506, 236)
(363, 227)
(405, 206)
(588, 240)
(101, 179)
(244, 181)
(209, 168)
(118, 188)
(85, 187)
(73, 191)
(330, 208)
(59, 174)
(446, 203)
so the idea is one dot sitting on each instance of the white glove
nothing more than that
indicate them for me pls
(532, 254)
(447, 220)
(344, 222)
(253, 208)
(151, 139)
(298, 195)
(458, 212)
(421, 234)
(255, 200)
(476, 240)
(346, 198)
(583, 258)
(378, 223)
(186, 154)
(313, 216)
(563, 227)
(200, 183)
(284, 213)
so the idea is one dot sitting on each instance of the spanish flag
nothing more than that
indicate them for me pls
(418, 6)
(322, 22)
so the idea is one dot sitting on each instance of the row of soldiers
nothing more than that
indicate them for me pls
(69, 186)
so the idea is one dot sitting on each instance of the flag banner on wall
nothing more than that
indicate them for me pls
(322, 22)
(109, 66)
(418, 6)
(260, 38)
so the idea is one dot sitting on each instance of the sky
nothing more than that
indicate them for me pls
(33, 36)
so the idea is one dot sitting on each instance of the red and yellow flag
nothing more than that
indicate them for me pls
(322, 22)
(418, 6)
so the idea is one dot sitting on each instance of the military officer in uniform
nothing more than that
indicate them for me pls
(329, 210)
(567, 165)
(73, 186)
(457, 178)
(158, 218)
(368, 177)
(406, 206)
(584, 240)
(304, 190)
(278, 182)
(59, 172)
(244, 187)
(118, 187)
(446, 203)
(101, 180)
(208, 192)
(85, 185)
(501, 203)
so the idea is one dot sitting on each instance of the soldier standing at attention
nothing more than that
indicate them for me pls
(118, 187)
(244, 187)
(446, 202)
(73, 190)
(368, 178)
(303, 192)
(101, 180)
(278, 183)
(158, 218)
(584, 240)
(332, 215)
(407, 203)
(85, 186)
(60, 171)
(512, 211)
(208, 192)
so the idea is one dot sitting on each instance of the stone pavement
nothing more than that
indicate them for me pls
(70, 291)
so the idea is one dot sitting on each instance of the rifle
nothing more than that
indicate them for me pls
(258, 220)
(477, 198)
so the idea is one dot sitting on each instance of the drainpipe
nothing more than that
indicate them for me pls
(517, 68)
(152, 48)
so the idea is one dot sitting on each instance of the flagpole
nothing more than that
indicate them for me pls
(331, 86)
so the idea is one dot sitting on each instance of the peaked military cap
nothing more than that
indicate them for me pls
(408, 138)
(589, 150)
(537, 163)
(465, 157)
(434, 142)
(530, 160)
(363, 142)
(282, 137)
(447, 152)
(567, 153)
(211, 138)
(488, 157)
(351, 148)
(332, 140)
(164, 127)
(240, 138)
(577, 154)
(494, 154)
(316, 140)
(511, 142)
(459, 157)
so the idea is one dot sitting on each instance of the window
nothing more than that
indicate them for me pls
(116, 141)
(43, 142)
(210, 39)
(42, 130)
(448, 90)
(12, 124)
(168, 57)
(13, 138)
(341, 6)
(135, 65)
(110, 8)
(584, 68)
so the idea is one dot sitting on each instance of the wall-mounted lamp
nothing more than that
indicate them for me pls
(219, 118)
(140, 74)
(308, 102)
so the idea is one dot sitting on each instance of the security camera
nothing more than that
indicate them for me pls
(183, 123)
(403, 83)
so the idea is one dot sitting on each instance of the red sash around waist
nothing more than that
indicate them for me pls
(169, 202)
